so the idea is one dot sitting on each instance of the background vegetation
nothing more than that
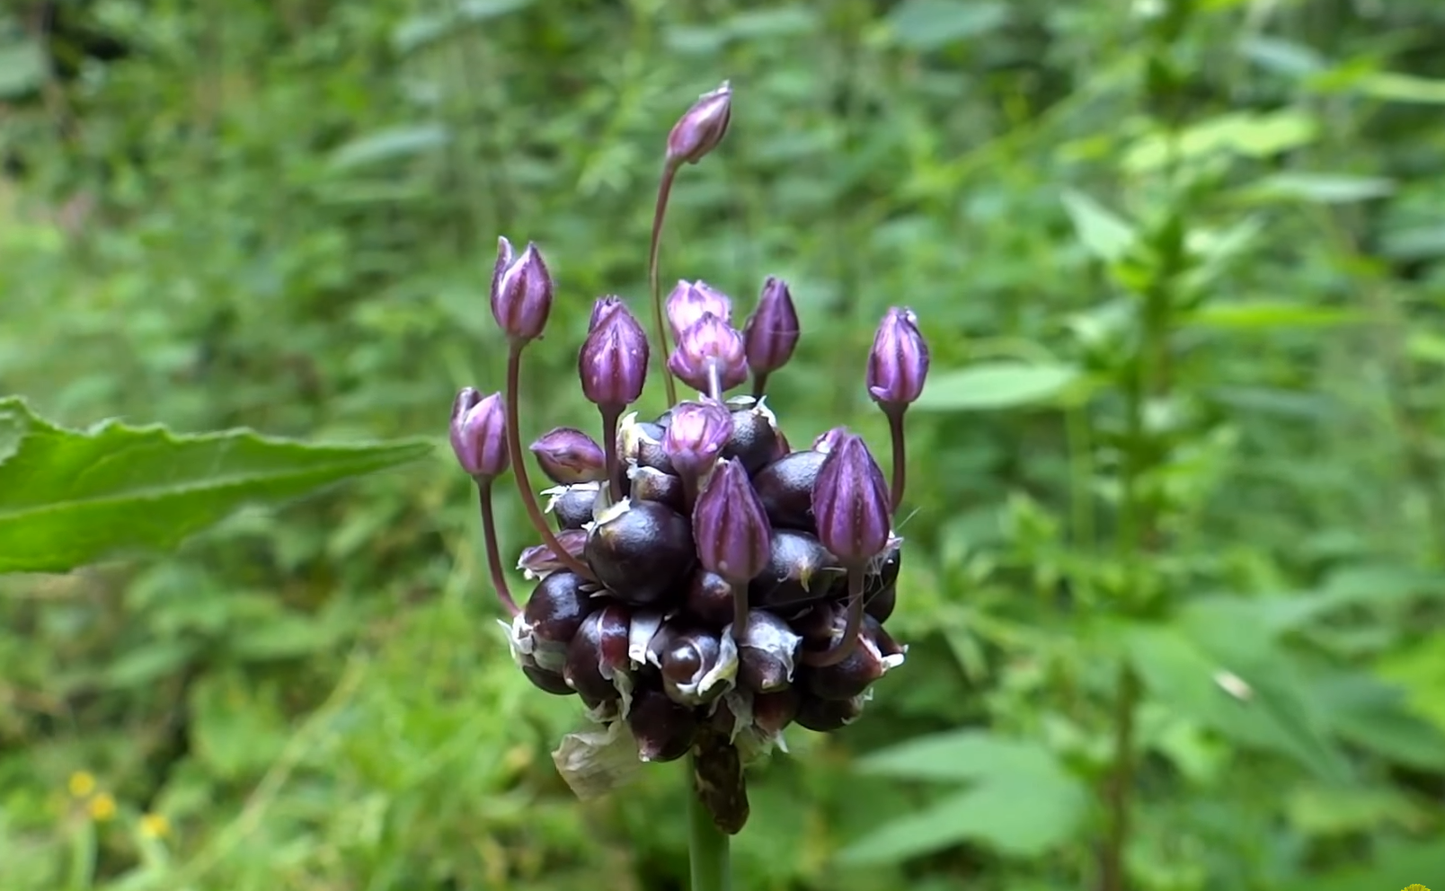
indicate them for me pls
(1177, 575)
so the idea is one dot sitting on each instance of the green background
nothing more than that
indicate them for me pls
(1180, 267)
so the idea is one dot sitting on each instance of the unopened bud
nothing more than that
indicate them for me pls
(697, 666)
(729, 525)
(479, 433)
(710, 348)
(597, 655)
(695, 436)
(521, 292)
(690, 301)
(641, 550)
(662, 728)
(851, 503)
(567, 456)
(898, 362)
(771, 332)
(612, 363)
(701, 128)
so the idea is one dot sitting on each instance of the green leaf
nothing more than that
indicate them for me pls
(1273, 711)
(22, 67)
(1104, 233)
(958, 755)
(423, 30)
(1265, 314)
(1022, 801)
(1395, 87)
(1324, 188)
(70, 497)
(389, 145)
(994, 385)
(1334, 810)
(1247, 134)
(933, 24)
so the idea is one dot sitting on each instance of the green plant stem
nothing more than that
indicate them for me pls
(707, 846)
(1121, 778)
(664, 189)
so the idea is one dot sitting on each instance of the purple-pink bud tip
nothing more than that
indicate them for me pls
(898, 362)
(711, 347)
(690, 301)
(696, 436)
(701, 127)
(612, 363)
(771, 333)
(521, 292)
(850, 502)
(567, 456)
(479, 433)
(730, 526)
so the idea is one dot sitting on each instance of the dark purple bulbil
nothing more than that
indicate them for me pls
(697, 582)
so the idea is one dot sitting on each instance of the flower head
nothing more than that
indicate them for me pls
(479, 433)
(850, 502)
(613, 360)
(898, 362)
(702, 127)
(521, 292)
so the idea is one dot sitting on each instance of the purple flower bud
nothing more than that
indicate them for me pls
(567, 456)
(771, 333)
(730, 527)
(898, 363)
(696, 436)
(479, 433)
(709, 347)
(539, 560)
(825, 441)
(701, 128)
(689, 301)
(613, 360)
(521, 292)
(850, 503)
(602, 308)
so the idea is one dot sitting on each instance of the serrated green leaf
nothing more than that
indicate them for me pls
(1330, 810)
(994, 385)
(1021, 802)
(1395, 87)
(1247, 134)
(1105, 234)
(70, 497)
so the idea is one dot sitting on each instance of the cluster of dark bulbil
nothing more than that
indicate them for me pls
(700, 584)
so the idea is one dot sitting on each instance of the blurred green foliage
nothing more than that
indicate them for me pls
(1177, 482)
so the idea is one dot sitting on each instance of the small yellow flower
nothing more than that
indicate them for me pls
(102, 808)
(1417, 888)
(155, 826)
(81, 784)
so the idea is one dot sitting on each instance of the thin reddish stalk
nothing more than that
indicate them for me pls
(900, 457)
(845, 646)
(664, 189)
(609, 450)
(494, 556)
(519, 468)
